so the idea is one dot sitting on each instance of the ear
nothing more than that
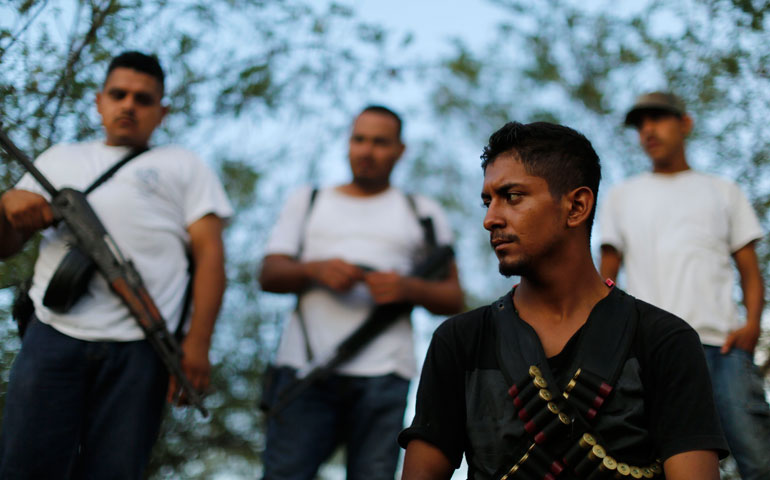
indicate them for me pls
(580, 202)
(401, 150)
(687, 124)
(163, 112)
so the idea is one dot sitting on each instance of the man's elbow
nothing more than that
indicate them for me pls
(272, 276)
(425, 461)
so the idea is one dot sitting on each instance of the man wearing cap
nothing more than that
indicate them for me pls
(675, 232)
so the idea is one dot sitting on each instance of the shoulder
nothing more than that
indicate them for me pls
(426, 205)
(467, 331)
(303, 193)
(67, 150)
(658, 328)
(713, 182)
(175, 153)
(630, 184)
(298, 200)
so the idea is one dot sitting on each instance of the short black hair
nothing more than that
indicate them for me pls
(140, 62)
(563, 157)
(386, 111)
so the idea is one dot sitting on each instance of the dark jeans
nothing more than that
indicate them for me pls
(743, 411)
(80, 410)
(363, 413)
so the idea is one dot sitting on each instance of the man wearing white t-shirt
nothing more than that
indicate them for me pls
(86, 391)
(677, 233)
(348, 249)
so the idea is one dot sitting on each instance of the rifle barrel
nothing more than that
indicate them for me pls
(14, 151)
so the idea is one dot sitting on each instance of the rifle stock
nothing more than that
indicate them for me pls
(92, 238)
(378, 320)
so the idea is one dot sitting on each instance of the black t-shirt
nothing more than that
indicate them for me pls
(463, 407)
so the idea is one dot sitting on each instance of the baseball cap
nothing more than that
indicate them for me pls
(655, 101)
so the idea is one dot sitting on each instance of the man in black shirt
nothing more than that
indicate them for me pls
(566, 376)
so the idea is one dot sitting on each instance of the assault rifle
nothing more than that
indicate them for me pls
(124, 280)
(378, 320)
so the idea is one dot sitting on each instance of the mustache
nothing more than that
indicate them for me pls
(126, 116)
(498, 236)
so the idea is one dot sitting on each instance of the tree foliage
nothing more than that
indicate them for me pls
(264, 90)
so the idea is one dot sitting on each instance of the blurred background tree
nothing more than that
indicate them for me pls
(265, 91)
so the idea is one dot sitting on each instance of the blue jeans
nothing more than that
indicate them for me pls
(80, 410)
(363, 413)
(743, 411)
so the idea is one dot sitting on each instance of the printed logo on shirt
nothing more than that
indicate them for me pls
(149, 180)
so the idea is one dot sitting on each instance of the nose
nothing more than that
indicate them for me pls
(128, 103)
(493, 219)
(365, 148)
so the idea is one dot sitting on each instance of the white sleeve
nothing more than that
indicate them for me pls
(744, 225)
(43, 163)
(609, 221)
(204, 194)
(285, 237)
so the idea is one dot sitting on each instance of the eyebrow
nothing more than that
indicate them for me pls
(505, 188)
(114, 90)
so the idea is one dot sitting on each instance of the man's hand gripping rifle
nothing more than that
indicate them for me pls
(378, 320)
(93, 239)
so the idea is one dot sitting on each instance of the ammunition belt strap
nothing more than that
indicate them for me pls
(545, 419)
(555, 422)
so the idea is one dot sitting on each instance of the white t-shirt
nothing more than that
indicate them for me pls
(146, 207)
(381, 232)
(677, 233)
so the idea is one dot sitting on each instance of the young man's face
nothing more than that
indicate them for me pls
(662, 136)
(130, 107)
(374, 148)
(524, 220)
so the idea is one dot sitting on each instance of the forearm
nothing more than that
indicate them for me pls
(753, 299)
(207, 291)
(208, 281)
(11, 240)
(283, 274)
(752, 285)
(444, 297)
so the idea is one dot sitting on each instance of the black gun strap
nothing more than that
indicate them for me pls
(113, 169)
(300, 248)
(426, 223)
(187, 300)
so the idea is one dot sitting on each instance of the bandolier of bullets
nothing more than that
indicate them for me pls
(543, 419)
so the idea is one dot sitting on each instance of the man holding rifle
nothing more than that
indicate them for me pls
(345, 250)
(86, 391)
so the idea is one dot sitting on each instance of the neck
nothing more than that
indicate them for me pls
(677, 163)
(562, 293)
(359, 189)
